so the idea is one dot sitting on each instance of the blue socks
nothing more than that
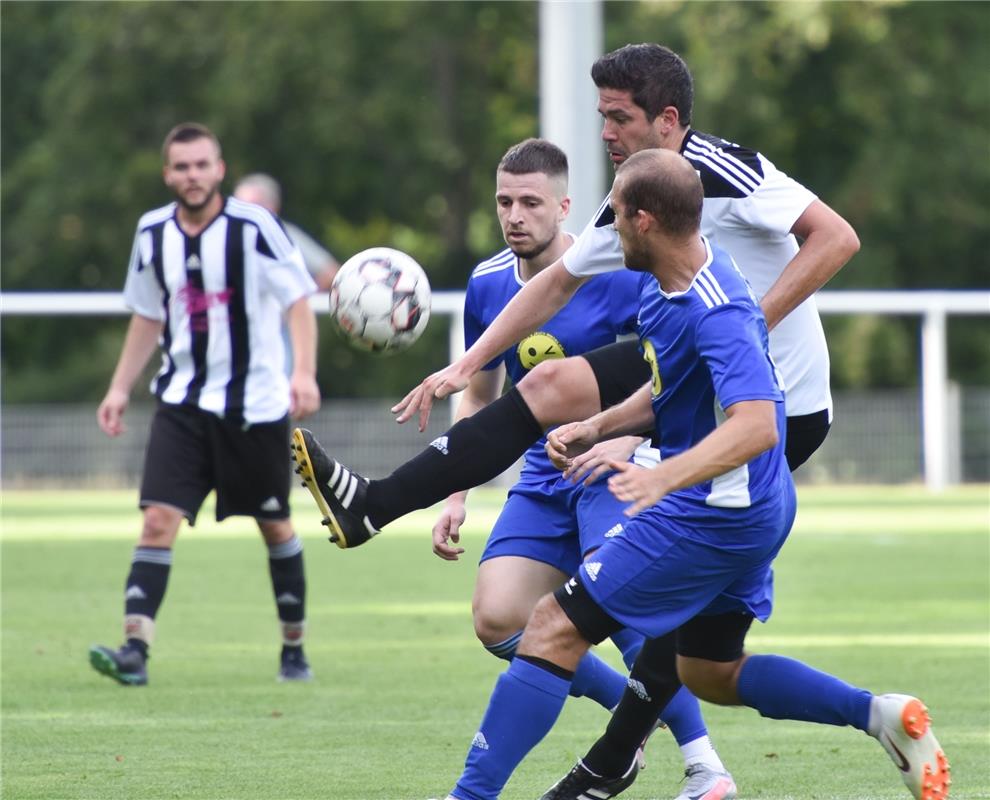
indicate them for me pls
(523, 707)
(782, 688)
(683, 716)
(597, 680)
(629, 643)
(593, 679)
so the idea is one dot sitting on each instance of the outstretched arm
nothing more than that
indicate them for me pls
(542, 297)
(139, 344)
(828, 243)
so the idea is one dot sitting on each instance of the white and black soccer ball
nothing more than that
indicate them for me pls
(380, 300)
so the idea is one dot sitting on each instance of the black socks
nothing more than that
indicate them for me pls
(285, 564)
(474, 451)
(652, 683)
(146, 582)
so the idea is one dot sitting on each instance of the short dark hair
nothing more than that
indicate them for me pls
(188, 132)
(534, 155)
(655, 75)
(664, 184)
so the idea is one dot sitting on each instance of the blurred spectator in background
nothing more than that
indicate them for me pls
(265, 191)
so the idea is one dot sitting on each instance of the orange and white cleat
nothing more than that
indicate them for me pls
(905, 731)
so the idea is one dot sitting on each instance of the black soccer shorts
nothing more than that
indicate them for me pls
(620, 370)
(716, 637)
(192, 452)
(805, 435)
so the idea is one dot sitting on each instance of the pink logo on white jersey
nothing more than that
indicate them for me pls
(198, 302)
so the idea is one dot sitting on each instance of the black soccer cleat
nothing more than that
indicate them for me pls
(127, 666)
(339, 493)
(293, 665)
(582, 784)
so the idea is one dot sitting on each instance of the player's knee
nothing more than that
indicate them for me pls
(545, 388)
(275, 531)
(493, 626)
(160, 526)
(550, 632)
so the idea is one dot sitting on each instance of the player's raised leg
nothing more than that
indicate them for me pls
(474, 451)
(338, 492)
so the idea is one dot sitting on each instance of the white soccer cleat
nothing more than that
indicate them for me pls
(905, 731)
(705, 783)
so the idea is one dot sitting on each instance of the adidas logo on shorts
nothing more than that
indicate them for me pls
(271, 504)
(440, 443)
(593, 568)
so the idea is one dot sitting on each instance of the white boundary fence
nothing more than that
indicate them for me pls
(933, 307)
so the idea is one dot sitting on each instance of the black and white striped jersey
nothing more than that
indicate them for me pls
(749, 209)
(220, 296)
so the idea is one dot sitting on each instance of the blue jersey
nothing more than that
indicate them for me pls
(708, 348)
(601, 309)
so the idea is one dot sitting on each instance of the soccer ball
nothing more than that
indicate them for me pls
(380, 300)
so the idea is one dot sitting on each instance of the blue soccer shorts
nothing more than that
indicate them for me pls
(538, 522)
(673, 563)
(600, 515)
(557, 522)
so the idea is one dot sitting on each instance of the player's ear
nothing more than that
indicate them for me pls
(643, 220)
(565, 209)
(667, 120)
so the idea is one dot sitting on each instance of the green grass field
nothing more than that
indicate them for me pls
(886, 587)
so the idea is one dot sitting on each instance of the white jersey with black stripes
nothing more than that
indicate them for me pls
(749, 209)
(220, 296)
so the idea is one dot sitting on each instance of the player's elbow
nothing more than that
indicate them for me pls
(759, 420)
(769, 436)
(760, 438)
(849, 241)
(843, 239)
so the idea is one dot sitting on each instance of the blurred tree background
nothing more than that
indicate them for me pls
(384, 122)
